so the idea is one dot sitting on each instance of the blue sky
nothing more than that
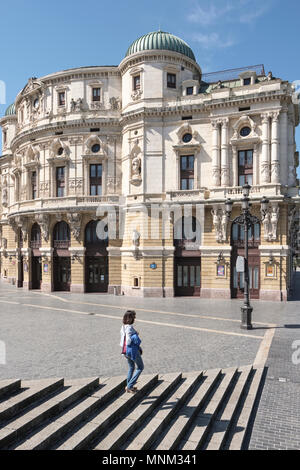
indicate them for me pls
(38, 37)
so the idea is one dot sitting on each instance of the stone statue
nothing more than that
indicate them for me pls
(136, 238)
(73, 104)
(79, 104)
(4, 197)
(224, 223)
(217, 224)
(274, 221)
(267, 222)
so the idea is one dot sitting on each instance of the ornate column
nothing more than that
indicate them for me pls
(216, 170)
(265, 161)
(291, 152)
(284, 165)
(224, 154)
(275, 165)
(255, 165)
(235, 175)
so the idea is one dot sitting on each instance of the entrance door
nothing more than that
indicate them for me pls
(62, 273)
(20, 272)
(96, 274)
(36, 267)
(238, 281)
(187, 276)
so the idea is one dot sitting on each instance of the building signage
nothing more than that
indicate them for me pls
(240, 264)
(45, 268)
(221, 270)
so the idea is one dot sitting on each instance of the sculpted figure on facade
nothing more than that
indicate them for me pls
(115, 103)
(224, 223)
(292, 176)
(274, 221)
(136, 164)
(44, 221)
(217, 223)
(74, 219)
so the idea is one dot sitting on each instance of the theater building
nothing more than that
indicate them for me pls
(133, 146)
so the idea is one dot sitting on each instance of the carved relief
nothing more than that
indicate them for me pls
(74, 219)
(136, 95)
(115, 103)
(44, 221)
(76, 106)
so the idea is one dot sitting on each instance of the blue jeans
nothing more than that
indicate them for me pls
(131, 379)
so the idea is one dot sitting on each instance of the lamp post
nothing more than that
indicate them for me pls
(246, 220)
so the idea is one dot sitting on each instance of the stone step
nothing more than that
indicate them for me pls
(179, 427)
(89, 431)
(31, 391)
(118, 435)
(196, 410)
(8, 387)
(54, 430)
(237, 441)
(165, 413)
(222, 423)
(203, 422)
(16, 429)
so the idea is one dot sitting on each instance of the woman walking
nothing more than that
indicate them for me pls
(130, 343)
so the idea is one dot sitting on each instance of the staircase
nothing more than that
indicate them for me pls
(196, 410)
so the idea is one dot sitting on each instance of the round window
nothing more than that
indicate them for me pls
(60, 151)
(245, 131)
(95, 148)
(187, 138)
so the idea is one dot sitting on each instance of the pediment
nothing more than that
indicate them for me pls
(34, 85)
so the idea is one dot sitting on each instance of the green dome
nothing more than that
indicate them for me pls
(162, 41)
(11, 110)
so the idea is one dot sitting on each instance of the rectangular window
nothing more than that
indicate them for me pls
(4, 137)
(245, 167)
(61, 98)
(96, 180)
(60, 181)
(96, 94)
(171, 80)
(247, 81)
(189, 90)
(187, 172)
(33, 185)
(137, 82)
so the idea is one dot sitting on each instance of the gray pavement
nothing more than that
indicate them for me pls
(77, 335)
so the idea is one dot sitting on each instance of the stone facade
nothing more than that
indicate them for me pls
(136, 126)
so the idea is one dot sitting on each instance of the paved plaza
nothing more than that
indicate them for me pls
(77, 335)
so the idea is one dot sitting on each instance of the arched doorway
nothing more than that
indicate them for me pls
(238, 249)
(61, 257)
(96, 260)
(187, 261)
(36, 259)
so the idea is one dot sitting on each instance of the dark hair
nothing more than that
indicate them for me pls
(129, 317)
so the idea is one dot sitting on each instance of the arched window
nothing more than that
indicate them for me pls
(61, 232)
(185, 229)
(238, 234)
(35, 238)
(94, 236)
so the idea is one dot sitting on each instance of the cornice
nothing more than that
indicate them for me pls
(158, 55)
(60, 126)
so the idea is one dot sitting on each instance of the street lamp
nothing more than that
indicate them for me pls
(246, 220)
